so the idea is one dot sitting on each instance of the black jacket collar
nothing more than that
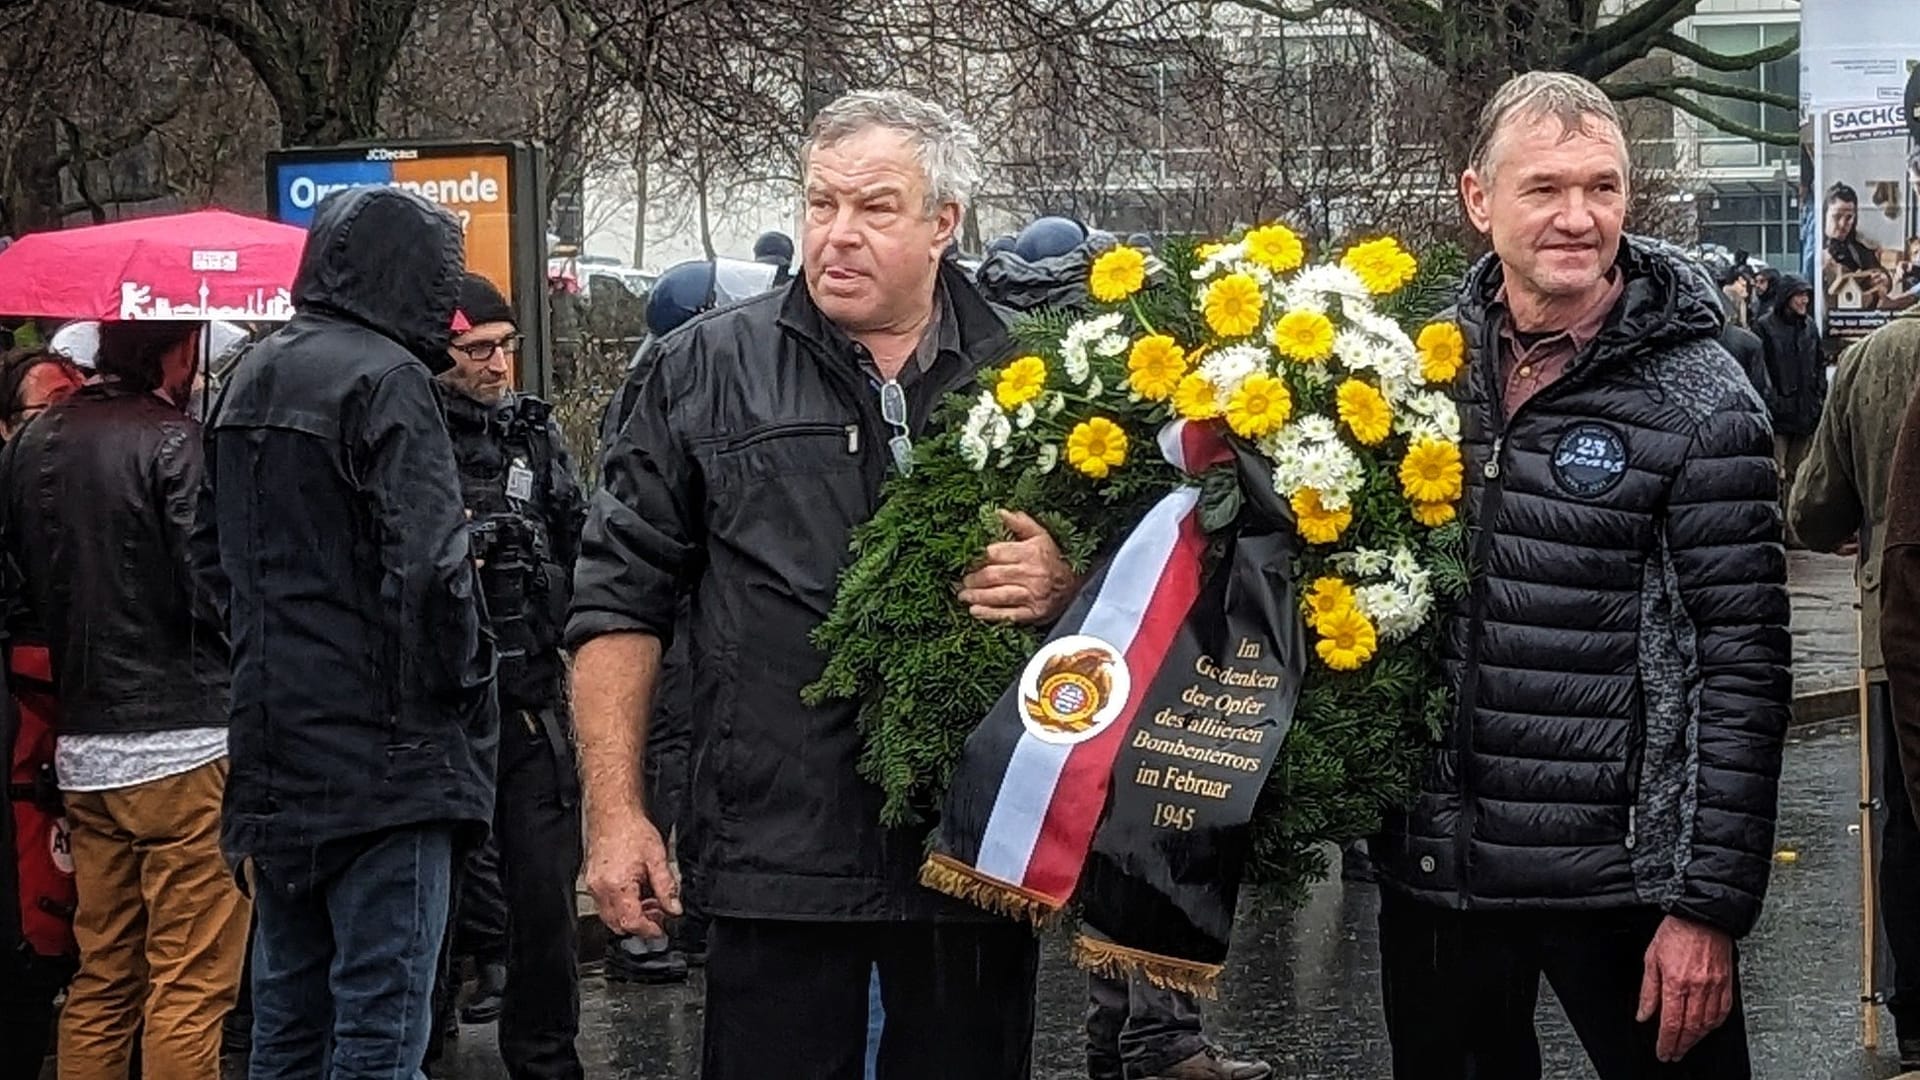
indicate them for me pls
(982, 334)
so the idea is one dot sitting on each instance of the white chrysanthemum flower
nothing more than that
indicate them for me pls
(1390, 609)
(1024, 417)
(1227, 368)
(1112, 345)
(1358, 350)
(1387, 332)
(1095, 388)
(1055, 405)
(1431, 411)
(1369, 562)
(1327, 282)
(1220, 262)
(1317, 428)
(1333, 469)
(1404, 564)
(974, 451)
(1074, 362)
(1049, 457)
(998, 430)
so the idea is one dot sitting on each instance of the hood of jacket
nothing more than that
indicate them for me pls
(389, 260)
(1790, 286)
(1669, 299)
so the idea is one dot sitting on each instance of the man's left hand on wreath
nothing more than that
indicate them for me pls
(1024, 580)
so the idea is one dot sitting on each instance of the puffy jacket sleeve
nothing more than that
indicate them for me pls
(409, 476)
(1825, 509)
(1724, 536)
(645, 534)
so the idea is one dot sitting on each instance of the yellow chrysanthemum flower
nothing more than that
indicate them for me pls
(1207, 251)
(1234, 306)
(1097, 447)
(1327, 595)
(1383, 265)
(1433, 515)
(1347, 639)
(1117, 274)
(1443, 349)
(1432, 472)
(1305, 336)
(1259, 406)
(1155, 367)
(1196, 398)
(1276, 248)
(1365, 412)
(1021, 382)
(1317, 524)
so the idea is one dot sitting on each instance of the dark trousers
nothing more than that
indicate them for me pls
(1899, 884)
(537, 820)
(28, 986)
(536, 830)
(1460, 990)
(344, 959)
(481, 929)
(1135, 1028)
(787, 996)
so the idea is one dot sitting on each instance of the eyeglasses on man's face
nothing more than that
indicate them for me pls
(480, 351)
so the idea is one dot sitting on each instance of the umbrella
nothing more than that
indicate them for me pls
(201, 266)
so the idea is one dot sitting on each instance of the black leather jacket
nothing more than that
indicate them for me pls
(99, 496)
(755, 447)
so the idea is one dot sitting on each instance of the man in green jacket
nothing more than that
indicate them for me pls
(1839, 503)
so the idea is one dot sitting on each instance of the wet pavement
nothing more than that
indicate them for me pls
(1302, 991)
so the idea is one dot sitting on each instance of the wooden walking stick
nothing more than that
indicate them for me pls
(1870, 917)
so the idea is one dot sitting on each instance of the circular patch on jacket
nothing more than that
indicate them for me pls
(1589, 460)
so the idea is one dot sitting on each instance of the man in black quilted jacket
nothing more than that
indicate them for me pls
(1601, 808)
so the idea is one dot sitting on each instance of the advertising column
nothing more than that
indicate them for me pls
(1859, 85)
(494, 189)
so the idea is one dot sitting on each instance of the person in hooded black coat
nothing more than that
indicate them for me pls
(1798, 373)
(364, 725)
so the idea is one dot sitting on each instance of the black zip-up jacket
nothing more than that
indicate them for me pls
(99, 497)
(1794, 363)
(362, 671)
(527, 592)
(755, 447)
(1620, 663)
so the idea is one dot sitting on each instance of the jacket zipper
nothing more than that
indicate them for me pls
(783, 430)
(1492, 495)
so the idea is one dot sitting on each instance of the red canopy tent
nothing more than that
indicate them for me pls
(199, 266)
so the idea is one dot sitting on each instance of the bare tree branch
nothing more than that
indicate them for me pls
(1717, 61)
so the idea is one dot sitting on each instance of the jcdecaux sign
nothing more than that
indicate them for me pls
(490, 187)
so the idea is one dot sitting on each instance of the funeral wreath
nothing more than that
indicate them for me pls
(1328, 382)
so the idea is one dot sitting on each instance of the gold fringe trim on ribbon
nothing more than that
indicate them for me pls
(945, 874)
(1165, 972)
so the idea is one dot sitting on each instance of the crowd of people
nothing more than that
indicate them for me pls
(343, 682)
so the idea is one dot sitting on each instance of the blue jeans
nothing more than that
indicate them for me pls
(344, 954)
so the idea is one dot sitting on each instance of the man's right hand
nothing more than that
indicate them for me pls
(628, 874)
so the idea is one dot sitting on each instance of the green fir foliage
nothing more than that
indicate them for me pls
(924, 672)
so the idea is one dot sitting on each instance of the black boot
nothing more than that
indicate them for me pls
(629, 960)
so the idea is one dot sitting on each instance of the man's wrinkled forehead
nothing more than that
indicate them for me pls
(871, 163)
(1526, 123)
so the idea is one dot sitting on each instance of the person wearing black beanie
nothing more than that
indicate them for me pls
(514, 916)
